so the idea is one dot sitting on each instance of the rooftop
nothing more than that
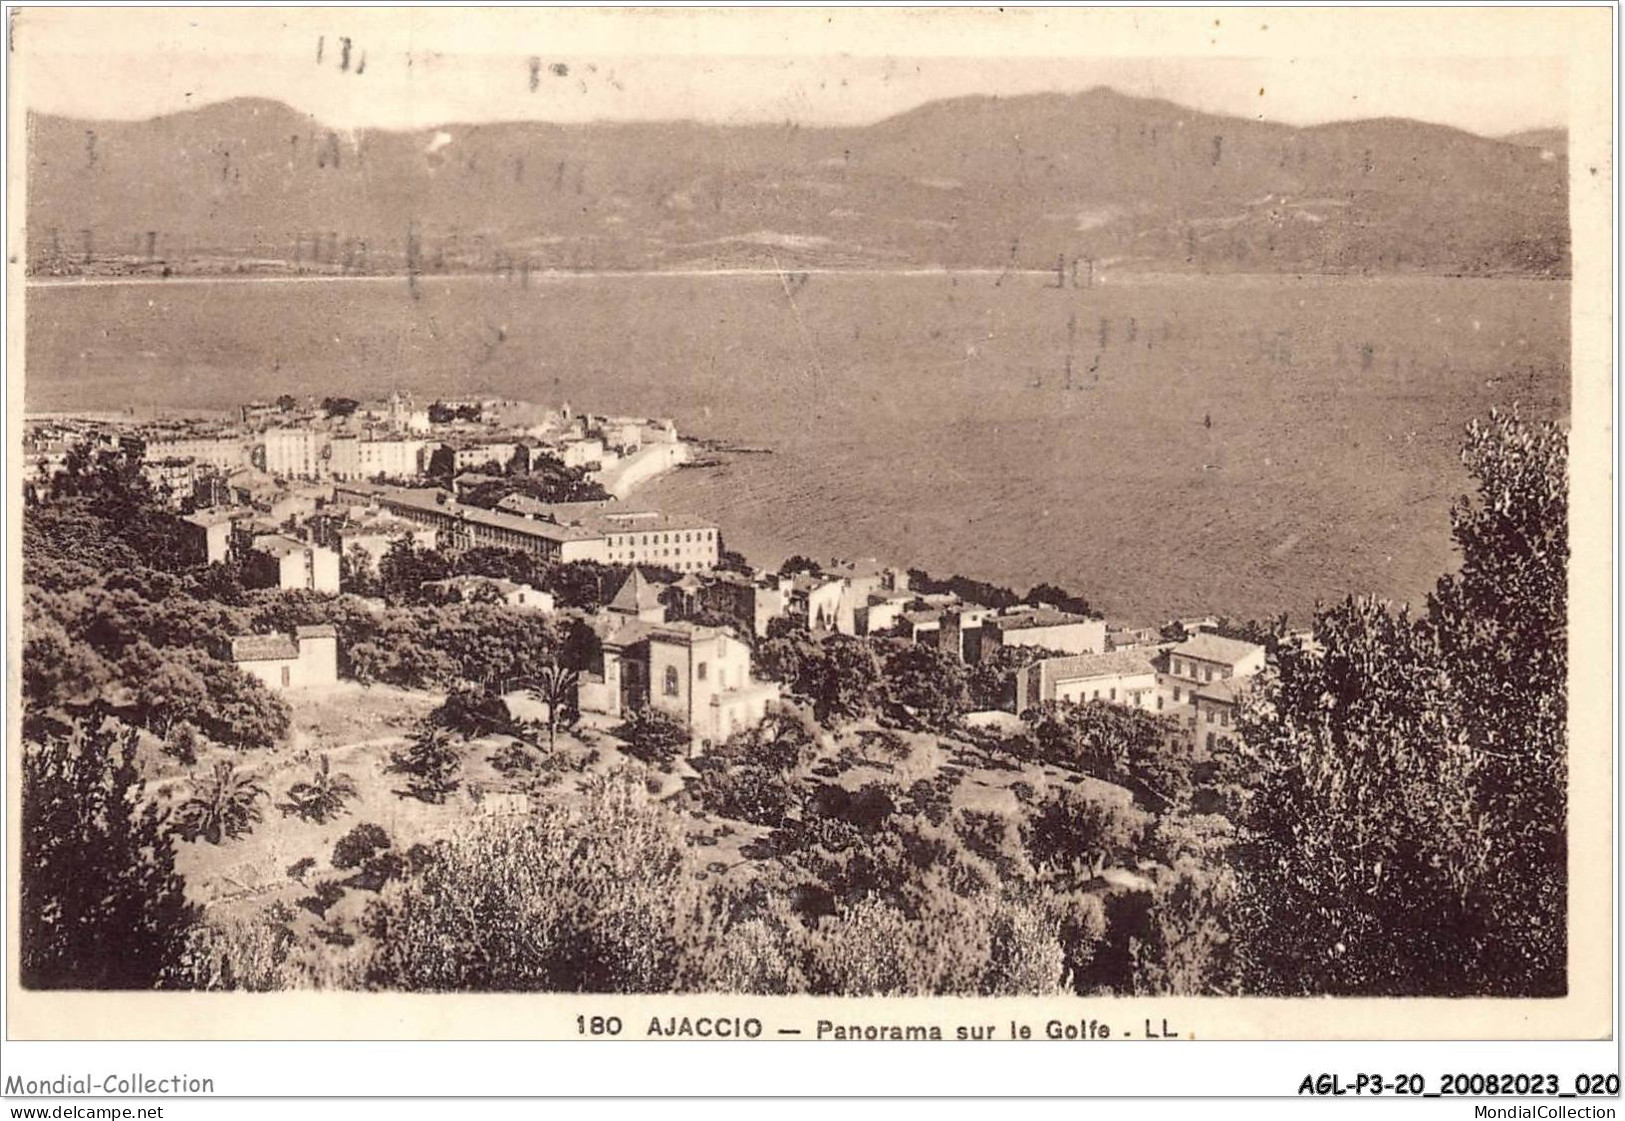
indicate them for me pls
(583, 524)
(1035, 617)
(635, 595)
(434, 500)
(214, 516)
(1213, 648)
(506, 587)
(1225, 691)
(377, 523)
(612, 520)
(279, 545)
(1084, 666)
(263, 648)
(807, 581)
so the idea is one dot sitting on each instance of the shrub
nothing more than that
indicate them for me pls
(322, 897)
(359, 844)
(96, 868)
(596, 897)
(657, 738)
(239, 954)
(432, 763)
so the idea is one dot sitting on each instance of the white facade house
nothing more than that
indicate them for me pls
(309, 657)
(1118, 678)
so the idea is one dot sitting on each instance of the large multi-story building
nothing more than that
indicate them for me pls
(1213, 711)
(354, 457)
(223, 452)
(1201, 682)
(206, 535)
(1204, 658)
(295, 453)
(564, 532)
(676, 541)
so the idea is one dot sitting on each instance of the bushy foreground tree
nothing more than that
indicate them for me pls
(1406, 829)
(102, 906)
(592, 898)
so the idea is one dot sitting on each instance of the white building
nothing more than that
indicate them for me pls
(279, 561)
(309, 657)
(295, 453)
(702, 675)
(222, 452)
(1118, 678)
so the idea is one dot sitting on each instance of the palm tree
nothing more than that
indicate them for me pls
(223, 806)
(556, 688)
(322, 798)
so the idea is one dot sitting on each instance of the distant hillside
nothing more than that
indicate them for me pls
(252, 185)
(1553, 140)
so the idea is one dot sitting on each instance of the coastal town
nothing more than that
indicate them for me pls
(314, 495)
(311, 675)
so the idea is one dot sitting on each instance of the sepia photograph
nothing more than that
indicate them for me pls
(492, 517)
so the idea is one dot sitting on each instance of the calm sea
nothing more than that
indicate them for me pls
(1160, 444)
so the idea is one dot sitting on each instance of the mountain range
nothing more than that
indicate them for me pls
(1064, 181)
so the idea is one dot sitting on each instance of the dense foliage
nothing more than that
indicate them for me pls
(1406, 827)
(98, 866)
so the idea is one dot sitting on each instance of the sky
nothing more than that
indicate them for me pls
(416, 68)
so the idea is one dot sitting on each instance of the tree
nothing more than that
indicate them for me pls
(655, 736)
(97, 868)
(753, 774)
(1269, 635)
(1184, 948)
(1404, 833)
(432, 763)
(797, 564)
(358, 572)
(1072, 837)
(992, 681)
(929, 683)
(557, 688)
(405, 568)
(1058, 598)
(548, 480)
(1128, 746)
(1502, 627)
(323, 796)
(842, 677)
(730, 561)
(223, 806)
